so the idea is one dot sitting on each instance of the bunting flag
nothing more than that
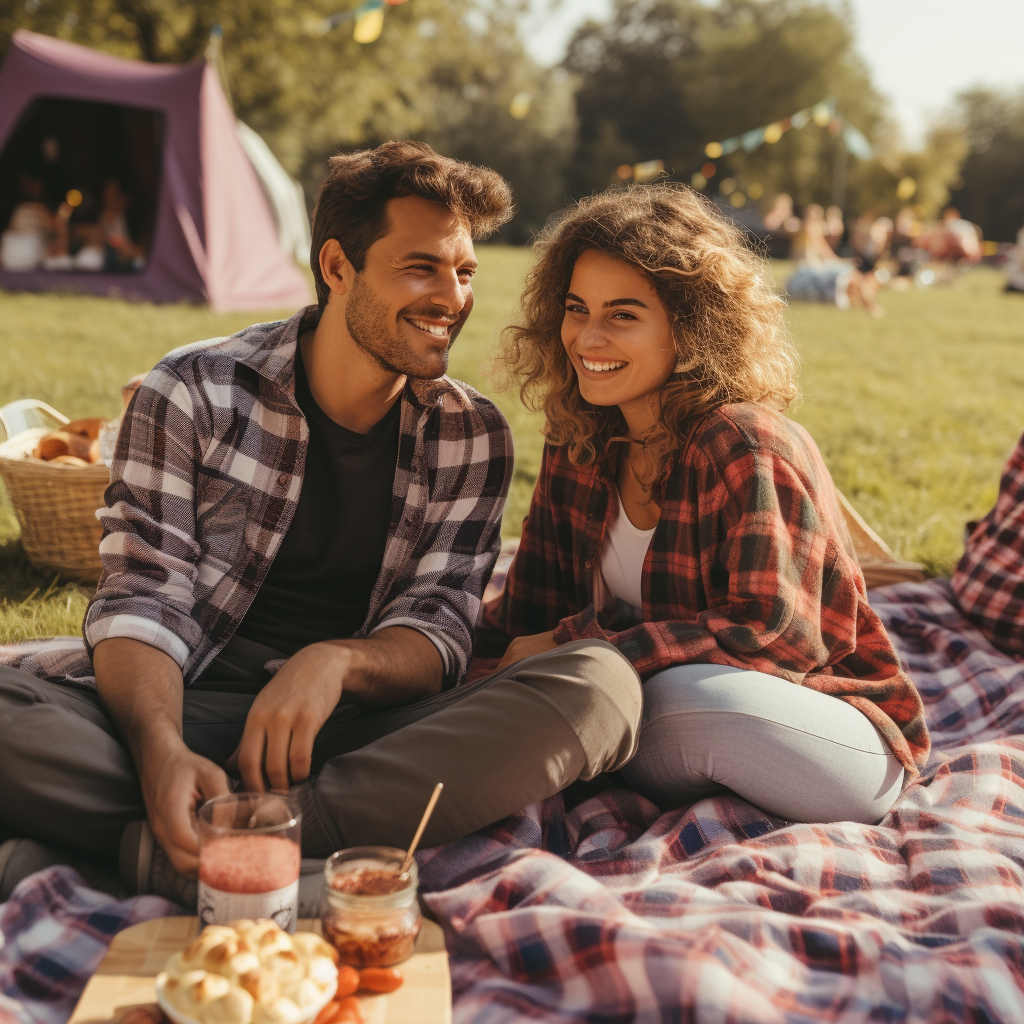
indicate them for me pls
(822, 114)
(368, 18)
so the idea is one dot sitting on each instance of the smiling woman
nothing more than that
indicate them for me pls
(681, 518)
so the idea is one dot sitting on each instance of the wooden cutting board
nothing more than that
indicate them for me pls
(127, 976)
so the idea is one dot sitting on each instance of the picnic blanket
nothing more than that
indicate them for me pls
(611, 911)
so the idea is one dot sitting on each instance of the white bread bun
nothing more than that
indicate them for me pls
(307, 994)
(234, 1007)
(261, 984)
(308, 945)
(281, 1011)
(287, 966)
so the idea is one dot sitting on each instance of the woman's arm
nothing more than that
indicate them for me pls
(533, 598)
(784, 596)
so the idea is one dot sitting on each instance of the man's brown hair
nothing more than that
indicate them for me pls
(352, 203)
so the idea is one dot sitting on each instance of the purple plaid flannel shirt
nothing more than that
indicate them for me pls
(206, 480)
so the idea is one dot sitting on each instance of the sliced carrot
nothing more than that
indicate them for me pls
(348, 981)
(349, 1011)
(329, 1014)
(380, 979)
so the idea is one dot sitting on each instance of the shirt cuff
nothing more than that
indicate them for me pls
(137, 627)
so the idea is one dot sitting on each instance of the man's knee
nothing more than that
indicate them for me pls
(598, 692)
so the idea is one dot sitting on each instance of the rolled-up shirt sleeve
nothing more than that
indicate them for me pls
(149, 550)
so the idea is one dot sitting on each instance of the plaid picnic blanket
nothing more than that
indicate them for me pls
(612, 912)
(718, 912)
(55, 932)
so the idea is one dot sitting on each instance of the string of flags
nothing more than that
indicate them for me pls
(822, 114)
(368, 18)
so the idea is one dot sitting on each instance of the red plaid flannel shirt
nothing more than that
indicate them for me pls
(989, 580)
(751, 565)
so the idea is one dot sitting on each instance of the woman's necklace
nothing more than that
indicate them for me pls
(643, 454)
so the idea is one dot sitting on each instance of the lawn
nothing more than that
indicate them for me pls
(914, 413)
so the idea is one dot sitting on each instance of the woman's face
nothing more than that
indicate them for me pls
(618, 337)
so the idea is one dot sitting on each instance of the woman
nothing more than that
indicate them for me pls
(679, 516)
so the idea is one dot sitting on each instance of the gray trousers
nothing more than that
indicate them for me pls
(500, 744)
(796, 753)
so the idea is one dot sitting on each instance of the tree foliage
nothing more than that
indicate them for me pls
(662, 78)
(991, 192)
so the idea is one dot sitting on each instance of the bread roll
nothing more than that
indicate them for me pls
(287, 966)
(261, 985)
(234, 1007)
(309, 945)
(89, 427)
(60, 442)
(211, 949)
(68, 460)
(281, 1011)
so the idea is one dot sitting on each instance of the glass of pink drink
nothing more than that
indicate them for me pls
(249, 859)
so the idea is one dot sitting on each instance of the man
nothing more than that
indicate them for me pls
(300, 523)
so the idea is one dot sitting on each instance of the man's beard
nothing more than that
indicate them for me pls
(370, 326)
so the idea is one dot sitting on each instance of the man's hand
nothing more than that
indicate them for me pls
(175, 784)
(525, 647)
(394, 666)
(142, 689)
(277, 744)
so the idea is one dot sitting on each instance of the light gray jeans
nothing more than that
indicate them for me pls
(795, 753)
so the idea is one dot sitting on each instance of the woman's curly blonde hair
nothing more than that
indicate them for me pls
(727, 321)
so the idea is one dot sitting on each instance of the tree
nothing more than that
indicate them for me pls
(445, 71)
(992, 190)
(664, 77)
(933, 170)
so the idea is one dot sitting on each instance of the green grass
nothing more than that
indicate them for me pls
(914, 413)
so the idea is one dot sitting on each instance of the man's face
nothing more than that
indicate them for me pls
(413, 294)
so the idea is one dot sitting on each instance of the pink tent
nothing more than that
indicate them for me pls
(73, 118)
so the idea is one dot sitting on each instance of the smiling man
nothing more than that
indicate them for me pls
(299, 527)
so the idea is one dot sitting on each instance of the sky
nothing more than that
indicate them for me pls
(920, 52)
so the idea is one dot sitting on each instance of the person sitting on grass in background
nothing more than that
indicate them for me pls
(300, 523)
(681, 517)
(822, 276)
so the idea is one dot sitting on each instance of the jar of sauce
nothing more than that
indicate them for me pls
(371, 915)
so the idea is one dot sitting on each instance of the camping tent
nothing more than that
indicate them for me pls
(74, 118)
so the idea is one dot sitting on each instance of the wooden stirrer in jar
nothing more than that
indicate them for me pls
(407, 863)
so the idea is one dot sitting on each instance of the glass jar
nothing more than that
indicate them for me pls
(371, 915)
(249, 858)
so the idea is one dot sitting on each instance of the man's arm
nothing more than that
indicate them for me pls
(142, 689)
(393, 666)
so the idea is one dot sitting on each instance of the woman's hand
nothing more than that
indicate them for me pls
(526, 646)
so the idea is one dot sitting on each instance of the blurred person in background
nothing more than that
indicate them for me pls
(34, 231)
(106, 243)
(782, 224)
(1015, 266)
(908, 257)
(834, 228)
(822, 276)
(679, 516)
(953, 243)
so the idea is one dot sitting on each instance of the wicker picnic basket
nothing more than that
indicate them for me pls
(56, 508)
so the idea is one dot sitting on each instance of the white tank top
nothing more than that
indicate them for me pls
(622, 558)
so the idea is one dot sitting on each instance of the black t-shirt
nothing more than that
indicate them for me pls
(319, 585)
